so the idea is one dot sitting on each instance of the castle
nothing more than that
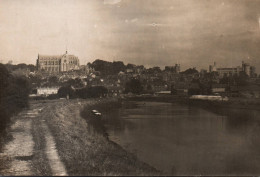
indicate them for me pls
(57, 63)
(246, 68)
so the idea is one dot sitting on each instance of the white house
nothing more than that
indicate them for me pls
(47, 90)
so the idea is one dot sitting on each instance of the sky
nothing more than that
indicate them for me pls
(193, 33)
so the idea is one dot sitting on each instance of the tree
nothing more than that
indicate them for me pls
(134, 86)
(77, 83)
(14, 92)
(64, 91)
(4, 75)
(108, 68)
(118, 66)
(97, 91)
(157, 69)
(91, 92)
(83, 93)
(21, 66)
(154, 70)
(53, 80)
(103, 66)
(190, 71)
(31, 67)
(130, 66)
(242, 79)
(194, 89)
(35, 80)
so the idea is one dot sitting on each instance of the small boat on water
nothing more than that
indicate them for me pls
(96, 113)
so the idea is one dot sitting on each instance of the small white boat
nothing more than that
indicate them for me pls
(95, 112)
(98, 114)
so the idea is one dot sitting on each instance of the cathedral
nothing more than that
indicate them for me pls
(57, 63)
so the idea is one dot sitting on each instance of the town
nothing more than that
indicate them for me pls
(55, 76)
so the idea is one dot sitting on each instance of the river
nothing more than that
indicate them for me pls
(186, 140)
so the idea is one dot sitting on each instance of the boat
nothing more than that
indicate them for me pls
(96, 113)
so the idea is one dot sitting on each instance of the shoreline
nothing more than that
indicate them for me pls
(104, 106)
(82, 149)
(90, 152)
(233, 103)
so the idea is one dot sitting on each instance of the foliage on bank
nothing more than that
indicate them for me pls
(85, 92)
(14, 91)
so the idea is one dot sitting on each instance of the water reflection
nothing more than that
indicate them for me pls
(184, 140)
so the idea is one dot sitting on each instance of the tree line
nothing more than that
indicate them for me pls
(14, 93)
(85, 92)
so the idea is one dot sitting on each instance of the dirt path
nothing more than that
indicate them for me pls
(20, 149)
(32, 150)
(57, 166)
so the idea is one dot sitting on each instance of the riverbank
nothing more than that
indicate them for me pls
(84, 151)
(161, 98)
(233, 102)
(103, 106)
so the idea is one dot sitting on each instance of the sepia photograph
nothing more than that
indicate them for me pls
(129, 87)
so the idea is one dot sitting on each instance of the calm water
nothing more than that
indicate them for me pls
(183, 140)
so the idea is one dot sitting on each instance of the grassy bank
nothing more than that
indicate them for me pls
(103, 106)
(83, 151)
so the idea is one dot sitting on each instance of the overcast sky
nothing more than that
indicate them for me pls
(194, 33)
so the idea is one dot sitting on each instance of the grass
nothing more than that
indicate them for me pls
(84, 151)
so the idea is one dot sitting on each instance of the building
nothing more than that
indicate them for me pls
(224, 71)
(57, 63)
(252, 72)
(213, 68)
(180, 88)
(229, 71)
(163, 93)
(174, 69)
(87, 69)
(249, 70)
(209, 98)
(246, 68)
(218, 89)
(47, 90)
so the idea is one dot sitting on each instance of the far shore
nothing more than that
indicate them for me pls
(233, 102)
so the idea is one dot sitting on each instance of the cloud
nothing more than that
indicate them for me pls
(152, 32)
(111, 2)
(157, 24)
(134, 20)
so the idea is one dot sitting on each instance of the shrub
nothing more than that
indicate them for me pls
(91, 92)
(14, 92)
(66, 90)
(134, 86)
